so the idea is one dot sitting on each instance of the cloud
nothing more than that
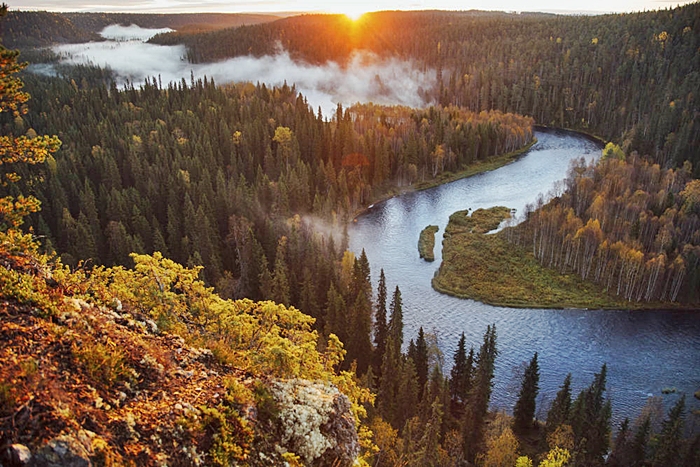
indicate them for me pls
(366, 78)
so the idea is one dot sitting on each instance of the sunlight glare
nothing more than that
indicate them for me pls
(353, 12)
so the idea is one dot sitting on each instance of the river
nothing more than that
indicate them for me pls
(646, 351)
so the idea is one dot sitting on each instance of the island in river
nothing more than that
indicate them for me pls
(487, 267)
(426, 242)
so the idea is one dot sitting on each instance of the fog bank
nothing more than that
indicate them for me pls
(367, 78)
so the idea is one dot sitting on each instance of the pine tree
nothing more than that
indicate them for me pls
(406, 394)
(396, 320)
(429, 446)
(421, 362)
(389, 383)
(619, 457)
(590, 415)
(280, 276)
(380, 324)
(524, 410)
(476, 410)
(460, 378)
(559, 411)
(638, 447)
(668, 448)
(26, 149)
(359, 341)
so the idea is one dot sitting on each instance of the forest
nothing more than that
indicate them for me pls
(252, 184)
(626, 224)
(29, 29)
(629, 78)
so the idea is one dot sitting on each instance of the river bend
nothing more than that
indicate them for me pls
(646, 351)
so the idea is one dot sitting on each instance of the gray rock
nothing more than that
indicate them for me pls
(19, 454)
(64, 451)
(316, 422)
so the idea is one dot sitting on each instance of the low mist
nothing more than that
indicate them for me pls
(366, 78)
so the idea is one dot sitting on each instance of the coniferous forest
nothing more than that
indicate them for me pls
(170, 208)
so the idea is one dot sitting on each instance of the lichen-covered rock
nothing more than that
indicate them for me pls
(65, 451)
(316, 422)
(76, 449)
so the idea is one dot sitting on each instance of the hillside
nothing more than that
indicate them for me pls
(629, 78)
(25, 29)
(147, 366)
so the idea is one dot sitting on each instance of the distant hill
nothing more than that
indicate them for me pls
(631, 78)
(26, 29)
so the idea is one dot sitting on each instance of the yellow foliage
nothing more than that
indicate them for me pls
(557, 457)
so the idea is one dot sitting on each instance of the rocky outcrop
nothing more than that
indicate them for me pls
(316, 422)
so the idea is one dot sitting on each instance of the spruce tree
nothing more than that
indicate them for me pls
(396, 320)
(280, 276)
(559, 411)
(524, 410)
(668, 448)
(421, 361)
(407, 394)
(638, 446)
(619, 457)
(460, 378)
(380, 325)
(590, 415)
(473, 421)
(389, 383)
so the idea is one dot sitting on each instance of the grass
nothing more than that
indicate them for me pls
(426, 242)
(489, 269)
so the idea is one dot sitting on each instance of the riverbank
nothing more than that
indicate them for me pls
(490, 269)
(492, 163)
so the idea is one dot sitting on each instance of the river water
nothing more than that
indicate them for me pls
(646, 351)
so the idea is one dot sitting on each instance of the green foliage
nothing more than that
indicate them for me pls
(560, 409)
(426, 242)
(524, 410)
(231, 435)
(7, 398)
(265, 403)
(474, 419)
(613, 151)
(668, 445)
(590, 419)
(584, 72)
(103, 363)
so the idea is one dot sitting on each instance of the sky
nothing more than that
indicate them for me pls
(352, 8)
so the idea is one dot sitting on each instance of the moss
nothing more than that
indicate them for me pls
(426, 242)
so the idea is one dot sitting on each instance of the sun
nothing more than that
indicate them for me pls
(354, 12)
(354, 15)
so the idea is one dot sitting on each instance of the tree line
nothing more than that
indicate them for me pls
(217, 176)
(631, 78)
(624, 223)
(28, 29)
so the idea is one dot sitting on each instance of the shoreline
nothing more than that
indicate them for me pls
(492, 163)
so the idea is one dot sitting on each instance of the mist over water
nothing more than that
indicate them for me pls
(366, 78)
(132, 32)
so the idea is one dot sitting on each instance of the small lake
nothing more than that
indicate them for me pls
(646, 351)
